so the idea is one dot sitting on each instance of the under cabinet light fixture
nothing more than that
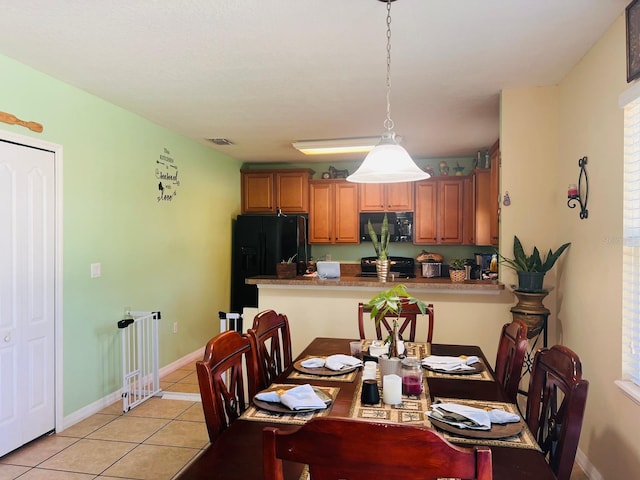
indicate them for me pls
(336, 145)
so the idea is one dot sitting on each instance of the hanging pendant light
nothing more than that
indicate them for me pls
(388, 162)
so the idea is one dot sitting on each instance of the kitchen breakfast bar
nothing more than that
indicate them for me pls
(470, 312)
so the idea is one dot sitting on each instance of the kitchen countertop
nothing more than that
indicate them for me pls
(440, 285)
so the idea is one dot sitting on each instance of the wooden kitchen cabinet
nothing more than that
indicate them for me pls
(488, 200)
(439, 211)
(264, 191)
(469, 211)
(386, 197)
(333, 212)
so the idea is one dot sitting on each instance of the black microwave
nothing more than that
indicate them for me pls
(400, 226)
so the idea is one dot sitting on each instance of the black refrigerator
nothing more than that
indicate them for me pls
(259, 242)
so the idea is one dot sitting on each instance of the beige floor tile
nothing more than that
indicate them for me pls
(88, 456)
(152, 462)
(129, 429)
(42, 474)
(158, 408)
(193, 414)
(37, 452)
(88, 425)
(191, 378)
(113, 409)
(182, 387)
(165, 385)
(181, 434)
(9, 472)
(176, 375)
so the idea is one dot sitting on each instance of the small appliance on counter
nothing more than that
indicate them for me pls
(400, 267)
(432, 269)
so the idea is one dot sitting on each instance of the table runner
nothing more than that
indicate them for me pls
(523, 440)
(257, 414)
(411, 410)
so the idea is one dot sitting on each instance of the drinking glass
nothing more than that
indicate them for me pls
(411, 376)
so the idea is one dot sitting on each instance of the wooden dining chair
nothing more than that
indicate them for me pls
(272, 338)
(409, 317)
(555, 406)
(336, 448)
(512, 349)
(224, 388)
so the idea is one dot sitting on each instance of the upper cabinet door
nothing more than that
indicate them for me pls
(257, 192)
(372, 197)
(425, 219)
(386, 197)
(399, 197)
(450, 208)
(292, 192)
(321, 212)
(347, 220)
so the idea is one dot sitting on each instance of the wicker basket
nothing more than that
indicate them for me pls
(457, 275)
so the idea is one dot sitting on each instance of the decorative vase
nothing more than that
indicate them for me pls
(382, 268)
(457, 275)
(530, 281)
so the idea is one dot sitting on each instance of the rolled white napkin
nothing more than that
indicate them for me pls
(450, 364)
(301, 397)
(313, 362)
(340, 361)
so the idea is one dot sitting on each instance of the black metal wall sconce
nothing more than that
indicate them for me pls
(576, 192)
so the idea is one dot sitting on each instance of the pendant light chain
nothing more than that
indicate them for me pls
(388, 123)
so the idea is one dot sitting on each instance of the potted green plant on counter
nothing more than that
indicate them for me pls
(381, 246)
(531, 269)
(389, 304)
(456, 270)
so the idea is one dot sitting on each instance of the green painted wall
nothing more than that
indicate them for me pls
(168, 256)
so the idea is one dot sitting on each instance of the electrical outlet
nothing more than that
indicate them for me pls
(96, 270)
(175, 327)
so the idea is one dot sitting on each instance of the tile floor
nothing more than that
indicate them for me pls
(153, 441)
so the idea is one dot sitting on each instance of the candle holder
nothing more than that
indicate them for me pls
(575, 192)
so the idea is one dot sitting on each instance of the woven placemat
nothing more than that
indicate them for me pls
(524, 439)
(257, 414)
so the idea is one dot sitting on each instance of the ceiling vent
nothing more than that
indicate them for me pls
(221, 141)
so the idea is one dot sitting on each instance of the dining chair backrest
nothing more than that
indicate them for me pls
(335, 448)
(512, 349)
(409, 317)
(225, 388)
(272, 337)
(555, 406)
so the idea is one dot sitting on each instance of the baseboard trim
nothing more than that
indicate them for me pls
(590, 471)
(104, 402)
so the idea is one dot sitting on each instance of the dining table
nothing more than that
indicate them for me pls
(237, 453)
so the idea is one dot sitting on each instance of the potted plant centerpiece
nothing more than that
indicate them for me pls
(381, 247)
(531, 268)
(456, 270)
(389, 304)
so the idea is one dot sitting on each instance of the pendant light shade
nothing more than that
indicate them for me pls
(388, 162)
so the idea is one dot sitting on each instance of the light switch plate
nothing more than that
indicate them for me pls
(96, 270)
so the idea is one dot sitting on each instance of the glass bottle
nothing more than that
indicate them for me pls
(411, 376)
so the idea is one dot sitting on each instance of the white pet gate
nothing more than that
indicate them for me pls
(140, 363)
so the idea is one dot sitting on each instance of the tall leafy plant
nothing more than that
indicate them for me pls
(381, 246)
(521, 262)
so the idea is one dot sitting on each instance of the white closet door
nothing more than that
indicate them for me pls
(27, 368)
